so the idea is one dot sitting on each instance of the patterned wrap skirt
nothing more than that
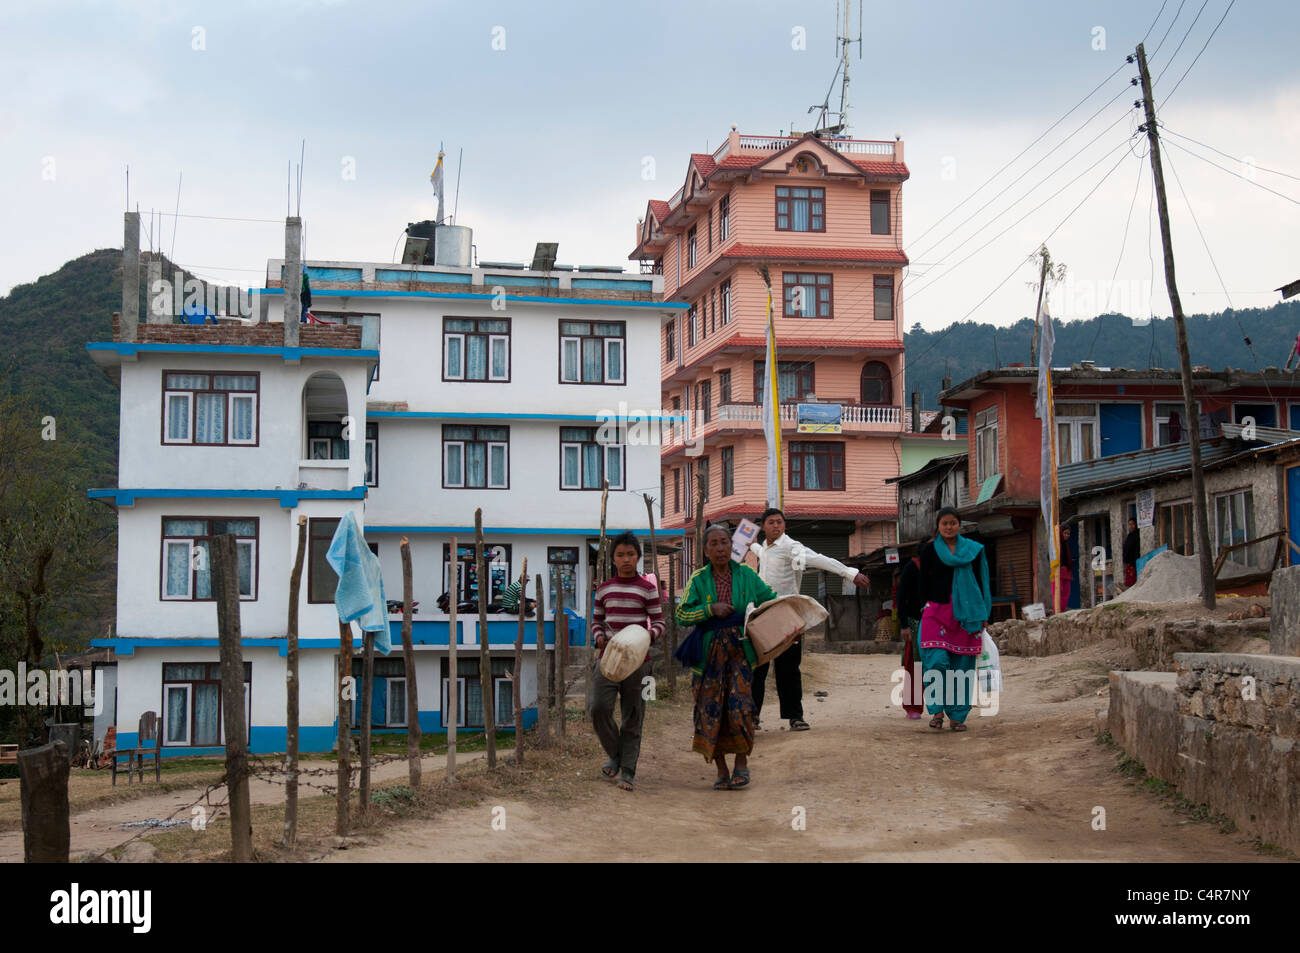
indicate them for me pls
(724, 699)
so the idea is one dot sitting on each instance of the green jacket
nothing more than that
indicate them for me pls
(700, 595)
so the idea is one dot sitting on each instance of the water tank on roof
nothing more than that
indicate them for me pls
(452, 245)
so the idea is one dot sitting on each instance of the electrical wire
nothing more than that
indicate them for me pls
(1177, 14)
(1118, 259)
(1166, 131)
(1186, 34)
(1198, 55)
(1230, 172)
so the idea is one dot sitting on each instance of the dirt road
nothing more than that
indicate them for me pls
(871, 785)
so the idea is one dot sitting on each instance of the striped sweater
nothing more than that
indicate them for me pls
(622, 602)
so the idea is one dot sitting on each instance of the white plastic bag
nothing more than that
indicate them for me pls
(988, 668)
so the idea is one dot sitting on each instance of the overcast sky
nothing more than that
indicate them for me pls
(556, 125)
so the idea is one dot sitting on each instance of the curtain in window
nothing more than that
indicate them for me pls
(453, 356)
(497, 457)
(571, 360)
(787, 384)
(207, 707)
(178, 569)
(178, 417)
(591, 466)
(475, 464)
(615, 352)
(505, 702)
(499, 368)
(177, 715)
(816, 472)
(203, 577)
(245, 554)
(799, 213)
(199, 381)
(210, 418)
(592, 360)
(473, 700)
(234, 382)
(454, 474)
(476, 357)
(396, 701)
(241, 418)
(809, 295)
(614, 465)
(572, 467)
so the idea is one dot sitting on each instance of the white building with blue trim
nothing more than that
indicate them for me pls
(431, 390)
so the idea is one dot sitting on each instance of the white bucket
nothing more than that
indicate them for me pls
(625, 652)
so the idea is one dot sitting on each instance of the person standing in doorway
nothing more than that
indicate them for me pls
(1132, 553)
(626, 598)
(781, 563)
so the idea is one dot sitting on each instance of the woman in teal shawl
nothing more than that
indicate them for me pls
(955, 587)
(715, 600)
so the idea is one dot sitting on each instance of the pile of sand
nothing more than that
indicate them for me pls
(1169, 577)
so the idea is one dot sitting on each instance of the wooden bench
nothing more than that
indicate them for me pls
(8, 754)
(147, 731)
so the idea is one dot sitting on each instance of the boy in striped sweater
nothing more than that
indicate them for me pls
(626, 598)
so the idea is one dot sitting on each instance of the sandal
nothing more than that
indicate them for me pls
(609, 769)
(798, 724)
(937, 721)
(625, 785)
(958, 726)
(722, 784)
(739, 778)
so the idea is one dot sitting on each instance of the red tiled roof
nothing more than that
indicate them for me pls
(660, 209)
(875, 167)
(704, 163)
(869, 166)
(890, 256)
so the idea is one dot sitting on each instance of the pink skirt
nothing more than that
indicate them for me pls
(940, 630)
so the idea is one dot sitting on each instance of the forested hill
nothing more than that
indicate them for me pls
(1111, 340)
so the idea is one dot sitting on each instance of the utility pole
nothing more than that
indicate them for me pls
(1199, 508)
(1038, 309)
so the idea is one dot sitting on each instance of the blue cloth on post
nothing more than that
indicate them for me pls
(971, 599)
(359, 595)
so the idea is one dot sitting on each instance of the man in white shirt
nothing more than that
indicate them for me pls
(781, 563)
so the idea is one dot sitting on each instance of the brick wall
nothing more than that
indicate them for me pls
(257, 335)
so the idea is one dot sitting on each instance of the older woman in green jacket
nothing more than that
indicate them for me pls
(715, 599)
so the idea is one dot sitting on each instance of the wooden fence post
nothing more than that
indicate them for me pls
(291, 690)
(654, 563)
(484, 655)
(224, 561)
(43, 791)
(346, 687)
(560, 662)
(367, 698)
(408, 656)
(672, 622)
(516, 695)
(542, 672)
(451, 717)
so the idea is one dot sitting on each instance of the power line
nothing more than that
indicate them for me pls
(1137, 183)
(1198, 55)
(1165, 130)
(1177, 14)
(1230, 172)
(1186, 34)
(221, 218)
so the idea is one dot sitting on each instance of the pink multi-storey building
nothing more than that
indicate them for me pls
(823, 217)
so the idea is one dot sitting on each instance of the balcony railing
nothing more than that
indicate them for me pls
(849, 413)
(873, 147)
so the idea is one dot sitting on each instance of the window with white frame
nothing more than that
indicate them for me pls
(1171, 422)
(1234, 521)
(208, 408)
(186, 556)
(191, 704)
(388, 693)
(475, 457)
(593, 352)
(1076, 433)
(586, 460)
(476, 349)
(469, 710)
(986, 444)
(325, 442)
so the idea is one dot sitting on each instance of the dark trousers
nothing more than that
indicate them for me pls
(789, 682)
(621, 742)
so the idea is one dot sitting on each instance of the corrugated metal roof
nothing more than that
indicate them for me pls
(1106, 471)
(1267, 435)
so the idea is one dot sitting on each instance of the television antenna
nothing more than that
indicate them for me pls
(843, 41)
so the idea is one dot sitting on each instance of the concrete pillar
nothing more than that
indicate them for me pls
(292, 279)
(158, 305)
(131, 277)
(916, 411)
